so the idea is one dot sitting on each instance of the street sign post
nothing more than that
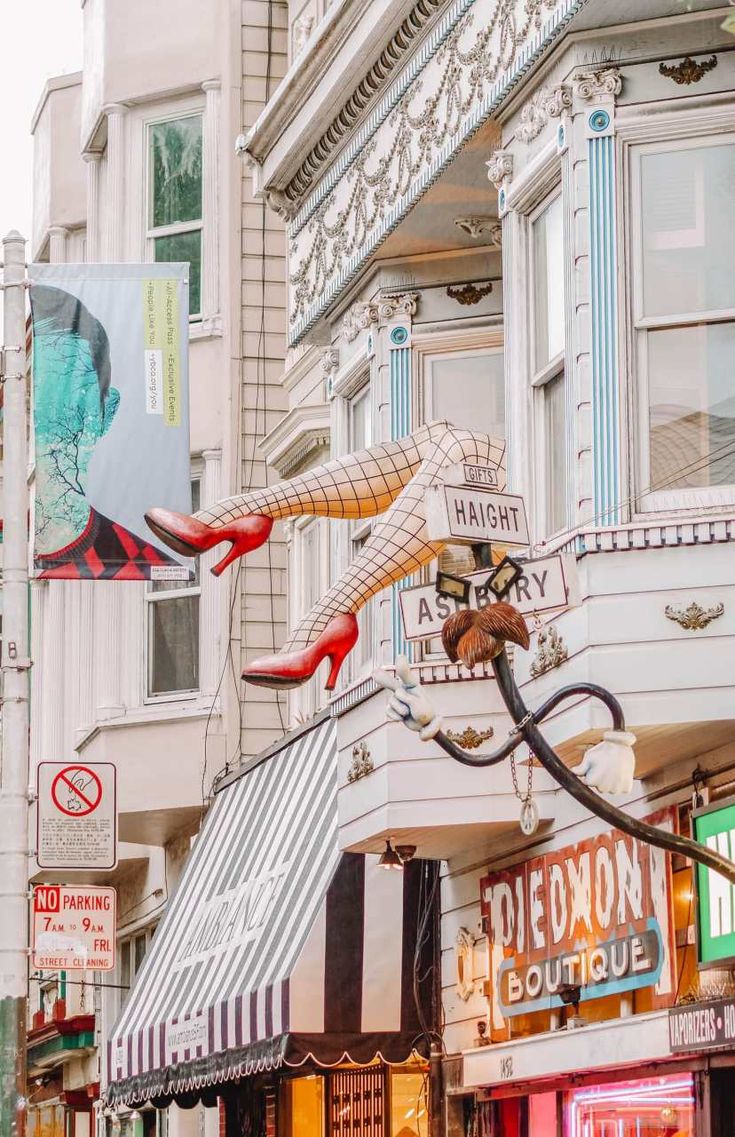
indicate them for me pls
(547, 585)
(77, 815)
(73, 928)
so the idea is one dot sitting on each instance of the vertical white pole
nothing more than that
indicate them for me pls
(15, 707)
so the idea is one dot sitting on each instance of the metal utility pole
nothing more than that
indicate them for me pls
(14, 772)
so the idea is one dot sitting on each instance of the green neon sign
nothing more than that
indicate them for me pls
(714, 826)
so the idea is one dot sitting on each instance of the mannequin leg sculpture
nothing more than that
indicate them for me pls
(390, 479)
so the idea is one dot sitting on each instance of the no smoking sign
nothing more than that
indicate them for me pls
(77, 815)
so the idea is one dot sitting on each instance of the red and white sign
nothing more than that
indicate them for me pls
(77, 815)
(73, 928)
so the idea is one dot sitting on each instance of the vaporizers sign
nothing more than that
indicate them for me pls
(597, 915)
(77, 815)
(714, 826)
(73, 928)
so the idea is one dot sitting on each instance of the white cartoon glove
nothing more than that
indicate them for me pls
(609, 767)
(408, 704)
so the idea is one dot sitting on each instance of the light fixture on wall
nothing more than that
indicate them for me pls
(406, 853)
(389, 858)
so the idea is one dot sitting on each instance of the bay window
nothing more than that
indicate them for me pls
(175, 197)
(683, 290)
(548, 343)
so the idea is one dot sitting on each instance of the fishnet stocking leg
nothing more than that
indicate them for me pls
(399, 544)
(358, 485)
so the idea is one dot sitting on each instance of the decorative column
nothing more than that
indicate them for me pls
(213, 598)
(86, 641)
(113, 237)
(39, 593)
(57, 244)
(108, 629)
(53, 634)
(397, 312)
(92, 158)
(595, 93)
(210, 207)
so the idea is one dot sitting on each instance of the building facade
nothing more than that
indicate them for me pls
(146, 676)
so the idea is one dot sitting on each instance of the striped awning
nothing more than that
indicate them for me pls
(275, 949)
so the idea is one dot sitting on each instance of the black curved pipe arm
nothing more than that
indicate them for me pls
(515, 738)
(529, 732)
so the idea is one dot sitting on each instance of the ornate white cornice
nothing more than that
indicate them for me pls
(365, 313)
(593, 86)
(500, 167)
(547, 103)
(302, 431)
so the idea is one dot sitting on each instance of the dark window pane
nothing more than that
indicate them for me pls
(139, 952)
(174, 645)
(176, 158)
(185, 247)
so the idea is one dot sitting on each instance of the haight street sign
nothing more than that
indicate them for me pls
(714, 826)
(547, 585)
(73, 928)
(475, 514)
(598, 915)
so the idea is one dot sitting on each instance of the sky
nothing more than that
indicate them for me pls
(38, 39)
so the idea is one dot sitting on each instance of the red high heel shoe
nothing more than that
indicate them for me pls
(293, 668)
(190, 537)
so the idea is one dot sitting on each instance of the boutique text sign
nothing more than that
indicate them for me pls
(547, 585)
(714, 826)
(597, 915)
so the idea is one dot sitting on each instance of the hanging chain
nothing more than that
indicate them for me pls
(514, 775)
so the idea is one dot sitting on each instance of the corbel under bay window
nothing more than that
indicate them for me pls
(683, 300)
(547, 351)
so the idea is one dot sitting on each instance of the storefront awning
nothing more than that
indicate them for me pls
(275, 949)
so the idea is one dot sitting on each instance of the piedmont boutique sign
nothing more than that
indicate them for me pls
(597, 915)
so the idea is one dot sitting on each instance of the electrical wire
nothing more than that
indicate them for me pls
(726, 450)
(424, 932)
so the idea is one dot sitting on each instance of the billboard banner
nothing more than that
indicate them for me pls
(714, 826)
(111, 418)
(597, 916)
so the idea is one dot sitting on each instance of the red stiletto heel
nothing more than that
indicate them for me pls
(190, 537)
(293, 668)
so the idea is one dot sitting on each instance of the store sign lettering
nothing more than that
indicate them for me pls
(714, 826)
(702, 1027)
(595, 915)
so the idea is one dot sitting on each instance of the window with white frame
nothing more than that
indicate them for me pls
(360, 426)
(172, 618)
(547, 347)
(175, 194)
(131, 951)
(683, 292)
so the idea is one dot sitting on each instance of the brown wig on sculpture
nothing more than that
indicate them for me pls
(477, 637)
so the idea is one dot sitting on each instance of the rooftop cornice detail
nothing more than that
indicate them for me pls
(601, 83)
(365, 313)
(465, 67)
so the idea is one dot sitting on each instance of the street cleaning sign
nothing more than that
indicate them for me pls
(73, 928)
(714, 826)
(547, 585)
(76, 824)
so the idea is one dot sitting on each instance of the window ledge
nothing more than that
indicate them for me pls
(208, 328)
(160, 711)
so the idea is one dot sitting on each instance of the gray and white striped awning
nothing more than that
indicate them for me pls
(275, 948)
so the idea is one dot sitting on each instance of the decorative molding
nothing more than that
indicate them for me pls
(464, 958)
(367, 89)
(694, 617)
(551, 652)
(500, 167)
(304, 430)
(469, 738)
(365, 313)
(302, 28)
(330, 366)
(472, 58)
(547, 103)
(362, 763)
(688, 71)
(649, 535)
(469, 294)
(599, 85)
(478, 225)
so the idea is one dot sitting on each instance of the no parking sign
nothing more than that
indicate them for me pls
(77, 815)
